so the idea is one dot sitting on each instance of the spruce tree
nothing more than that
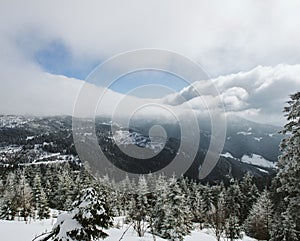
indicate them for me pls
(233, 204)
(217, 216)
(126, 190)
(232, 228)
(249, 196)
(138, 213)
(87, 221)
(287, 181)
(208, 202)
(9, 205)
(176, 221)
(24, 193)
(162, 204)
(64, 191)
(1, 188)
(258, 224)
(197, 203)
(43, 210)
(233, 200)
(283, 227)
(39, 198)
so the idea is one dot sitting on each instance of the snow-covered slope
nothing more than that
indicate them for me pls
(253, 159)
(22, 231)
(258, 160)
(45, 140)
(125, 137)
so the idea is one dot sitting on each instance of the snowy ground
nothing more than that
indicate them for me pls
(254, 159)
(22, 231)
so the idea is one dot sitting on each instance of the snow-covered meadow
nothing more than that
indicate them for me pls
(28, 231)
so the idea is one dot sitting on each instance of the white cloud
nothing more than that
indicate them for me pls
(259, 94)
(226, 37)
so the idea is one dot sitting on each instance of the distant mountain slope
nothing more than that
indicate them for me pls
(249, 147)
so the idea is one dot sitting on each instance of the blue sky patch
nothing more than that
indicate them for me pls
(56, 58)
(149, 84)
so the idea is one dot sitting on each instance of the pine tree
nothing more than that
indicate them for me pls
(249, 196)
(233, 198)
(50, 187)
(208, 201)
(233, 203)
(283, 227)
(174, 218)
(24, 193)
(1, 188)
(82, 181)
(126, 189)
(9, 205)
(197, 204)
(117, 199)
(139, 207)
(43, 206)
(39, 198)
(64, 192)
(287, 181)
(258, 224)
(161, 206)
(232, 228)
(217, 217)
(87, 221)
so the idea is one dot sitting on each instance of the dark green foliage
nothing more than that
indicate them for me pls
(287, 182)
(258, 223)
(249, 194)
(87, 221)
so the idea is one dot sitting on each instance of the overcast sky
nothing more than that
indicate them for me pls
(250, 49)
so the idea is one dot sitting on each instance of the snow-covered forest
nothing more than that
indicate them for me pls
(166, 207)
(159, 206)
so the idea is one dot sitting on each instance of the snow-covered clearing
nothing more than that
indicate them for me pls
(22, 231)
(253, 159)
(258, 160)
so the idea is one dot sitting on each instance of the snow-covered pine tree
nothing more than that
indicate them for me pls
(217, 216)
(197, 203)
(162, 205)
(139, 207)
(64, 192)
(43, 206)
(68, 187)
(39, 198)
(283, 227)
(185, 186)
(287, 181)
(117, 197)
(9, 206)
(233, 204)
(176, 221)
(207, 202)
(87, 221)
(112, 191)
(82, 180)
(1, 188)
(258, 224)
(232, 228)
(122, 199)
(249, 195)
(233, 198)
(24, 193)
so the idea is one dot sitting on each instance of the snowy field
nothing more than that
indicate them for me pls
(22, 231)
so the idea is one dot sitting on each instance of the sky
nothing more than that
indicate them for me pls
(249, 49)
